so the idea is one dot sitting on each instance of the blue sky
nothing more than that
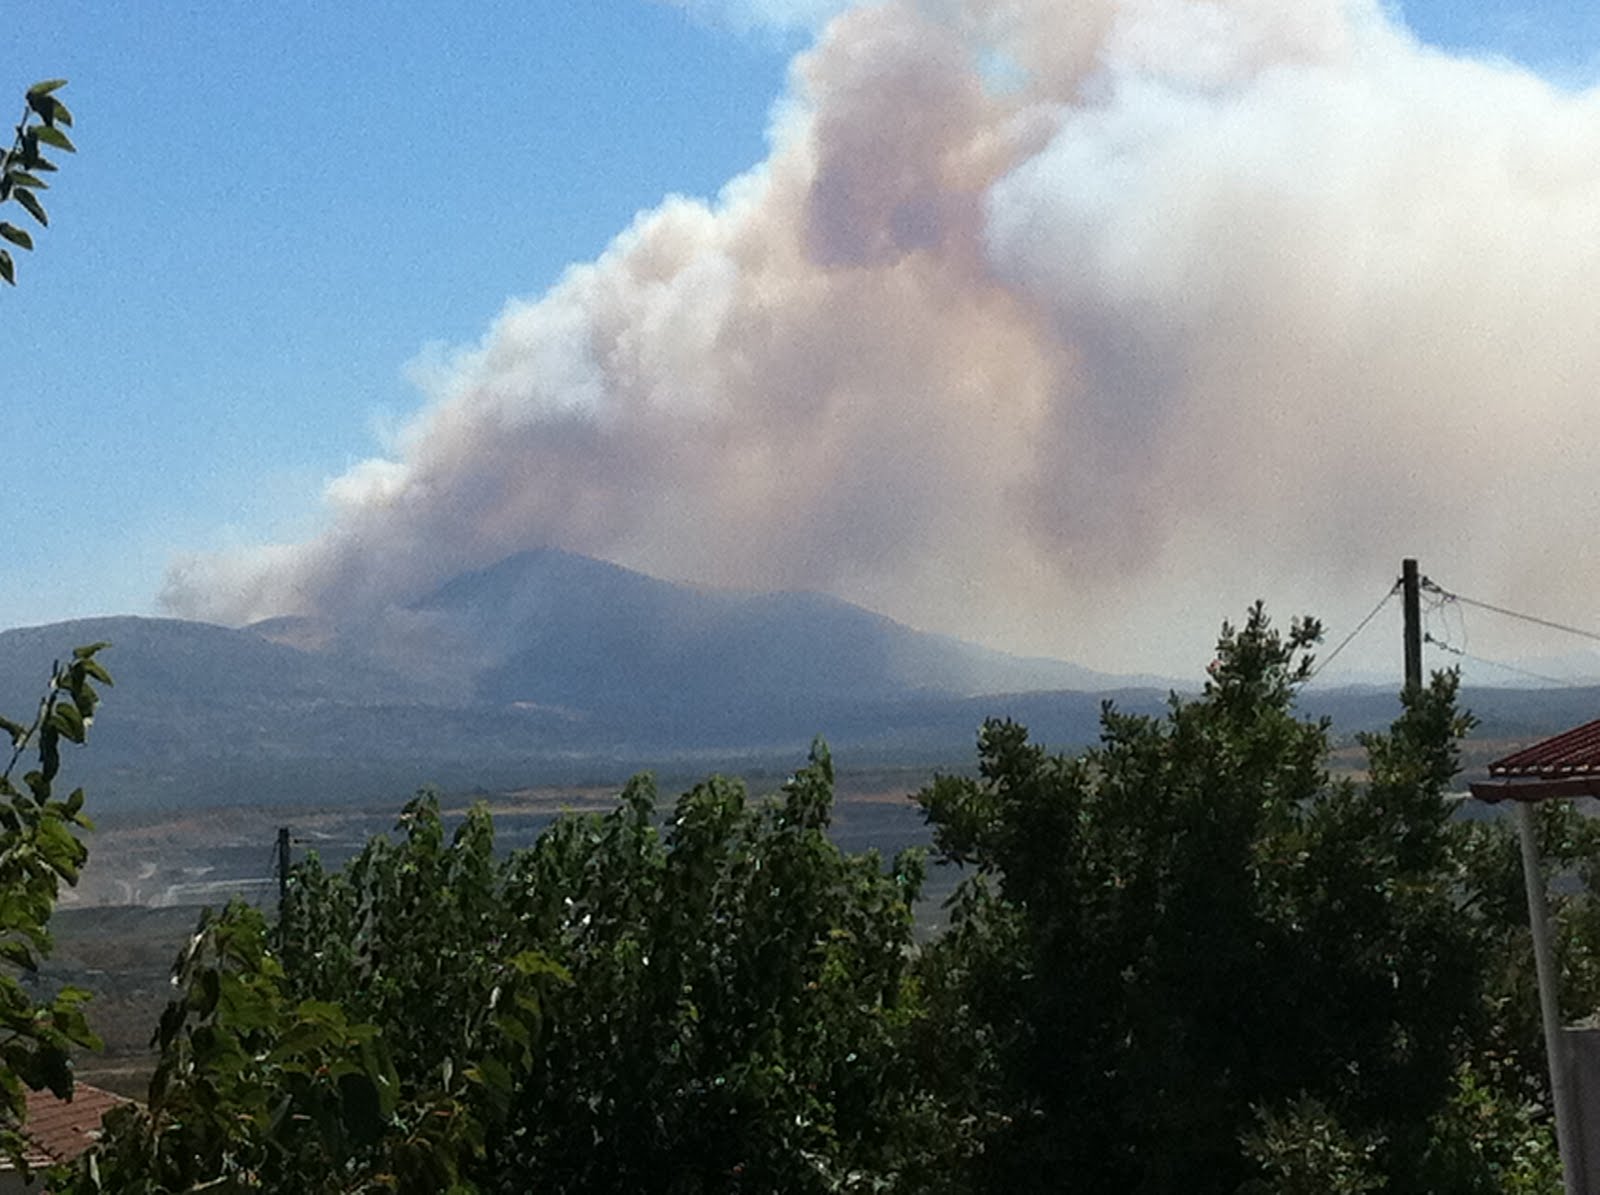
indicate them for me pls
(276, 207)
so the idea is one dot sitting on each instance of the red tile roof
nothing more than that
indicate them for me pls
(60, 1130)
(1574, 752)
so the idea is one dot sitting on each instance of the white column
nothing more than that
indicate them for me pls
(1549, 1003)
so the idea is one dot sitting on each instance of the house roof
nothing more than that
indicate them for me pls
(1575, 752)
(59, 1130)
(1565, 765)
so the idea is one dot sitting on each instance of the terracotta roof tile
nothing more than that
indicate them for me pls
(1575, 752)
(60, 1130)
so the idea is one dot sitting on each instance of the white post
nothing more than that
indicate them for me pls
(1549, 1005)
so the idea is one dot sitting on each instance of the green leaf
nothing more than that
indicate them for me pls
(7, 270)
(321, 1012)
(64, 853)
(19, 954)
(492, 1075)
(243, 1007)
(515, 1029)
(69, 721)
(533, 962)
(21, 178)
(15, 235)
(51, 135)
(26, 199)
(46, 87)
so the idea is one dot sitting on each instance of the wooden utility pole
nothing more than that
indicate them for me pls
(1411, 592)
(283, 868)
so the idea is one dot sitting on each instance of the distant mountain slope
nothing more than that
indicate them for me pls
(549, 627)
(550, 668)
(187, 688)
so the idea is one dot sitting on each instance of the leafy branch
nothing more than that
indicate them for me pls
(39, 848)
(43, 118)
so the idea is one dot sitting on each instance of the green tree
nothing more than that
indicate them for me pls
(739, 991)
(1189, 959)
(716, 1007)
(260, 1090)
(39, 843)
(1192, 926)
(44, 117)
(39, 850)
(367, 1043)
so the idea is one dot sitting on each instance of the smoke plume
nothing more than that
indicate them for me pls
(1066, 327)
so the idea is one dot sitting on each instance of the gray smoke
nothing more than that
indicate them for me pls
(1066, 327)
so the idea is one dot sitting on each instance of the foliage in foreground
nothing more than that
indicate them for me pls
(1187, 960)
(39, 849)
(712, 1006)
(44, 117)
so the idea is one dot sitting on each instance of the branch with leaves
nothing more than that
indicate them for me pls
(43, 118)
(39, 848)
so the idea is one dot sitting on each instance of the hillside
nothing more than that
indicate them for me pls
(552, 668)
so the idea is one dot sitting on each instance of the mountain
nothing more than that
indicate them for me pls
(553, 668)
(544, 662)
(556, 628)
(553, 629)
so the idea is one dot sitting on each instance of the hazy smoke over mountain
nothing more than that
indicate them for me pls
(1068, 327)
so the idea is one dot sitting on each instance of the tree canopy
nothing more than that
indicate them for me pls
(1173, 941)
(1189, 959)
(40, 848)
(713, 1005)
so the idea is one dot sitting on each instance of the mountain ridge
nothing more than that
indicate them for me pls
(554, 627)
(552, 668)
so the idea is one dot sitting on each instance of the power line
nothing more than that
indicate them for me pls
(1466, 655)
(1440, 607)
(1360, 626)
(1543, 622)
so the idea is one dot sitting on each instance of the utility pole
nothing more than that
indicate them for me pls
(283, 868)
(1411, 592)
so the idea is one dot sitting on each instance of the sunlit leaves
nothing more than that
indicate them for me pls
(1170, 939)
(39, 849)
(33, 207)
(42, 121)
(719, 1003)
(54, 136)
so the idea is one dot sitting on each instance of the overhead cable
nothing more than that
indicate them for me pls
(1360, 626)
(1466, 655)
(1428, 584)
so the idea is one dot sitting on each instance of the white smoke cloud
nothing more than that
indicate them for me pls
(1207, 301)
